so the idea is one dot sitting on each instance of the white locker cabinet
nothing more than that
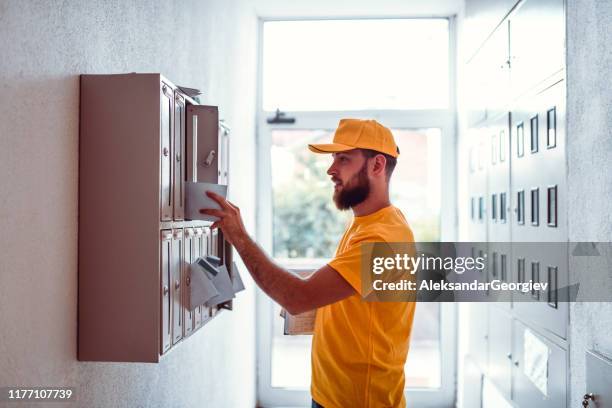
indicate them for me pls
(539, 371)
(134, 244)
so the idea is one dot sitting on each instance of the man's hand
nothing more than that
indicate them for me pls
(230, 220)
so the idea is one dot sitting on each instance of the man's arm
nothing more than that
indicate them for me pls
(295, 294)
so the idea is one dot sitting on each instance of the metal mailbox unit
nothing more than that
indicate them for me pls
(517, 192)
(140, 139)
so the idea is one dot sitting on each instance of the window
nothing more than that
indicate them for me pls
(520, 202)
(494, 207)
(521, 270)
(472, 210)
(551, 213)
(494, 265)
(307, 227)
(315, 72)
(321, 65)
(551, 126)
(504, 273)
(534, 134)
(520, 140)
(552, 287)
(535, 206)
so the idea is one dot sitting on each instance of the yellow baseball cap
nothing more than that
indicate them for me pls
(359, 134)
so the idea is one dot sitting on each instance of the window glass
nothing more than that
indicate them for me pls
(322, 65)
(307, 228)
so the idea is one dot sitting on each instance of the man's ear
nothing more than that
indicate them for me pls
(380, 162)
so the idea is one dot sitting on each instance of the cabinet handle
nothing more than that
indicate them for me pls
(178, 157)
(587, 397)
(166, 290)
(188, 280)
(177, 285)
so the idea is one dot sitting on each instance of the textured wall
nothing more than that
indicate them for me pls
(589, 154)
(44, 47)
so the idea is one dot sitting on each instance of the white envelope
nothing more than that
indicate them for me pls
(202, 288)
(196, 199)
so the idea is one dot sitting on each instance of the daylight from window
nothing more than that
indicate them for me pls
(356, 64)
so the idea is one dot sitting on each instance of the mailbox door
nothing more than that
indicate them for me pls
(165, 267)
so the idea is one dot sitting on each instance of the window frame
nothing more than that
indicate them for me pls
(445, 120)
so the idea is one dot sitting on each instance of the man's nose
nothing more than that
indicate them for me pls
(331, 170)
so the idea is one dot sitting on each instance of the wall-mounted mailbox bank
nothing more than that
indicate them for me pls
(141, 139)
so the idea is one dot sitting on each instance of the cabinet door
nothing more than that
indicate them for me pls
(166, 115)
(178, 159)
(188, 314)
(176, 286)
(197, 250)
(500, 349)
(539, 191)
(165, 268)
(203, 143)
(539, 373)
(599, 379)
(478, 342)
(535, 57)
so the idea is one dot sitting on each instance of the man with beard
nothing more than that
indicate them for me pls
(359, 348)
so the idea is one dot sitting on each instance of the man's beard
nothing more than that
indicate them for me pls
(355, 191)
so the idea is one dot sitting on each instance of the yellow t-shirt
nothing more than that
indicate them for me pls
(359, 348)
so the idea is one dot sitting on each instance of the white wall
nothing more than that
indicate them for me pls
(589, 158)
(44, 46)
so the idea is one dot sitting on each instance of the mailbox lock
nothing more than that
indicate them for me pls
(587, 397)
(516, 363)
(165, 152)
(165, 290)
(178, 157)
(177, 285)
(188, 281)
(210, 158)
(509, 356)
